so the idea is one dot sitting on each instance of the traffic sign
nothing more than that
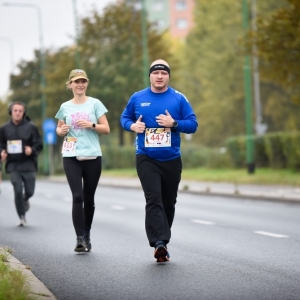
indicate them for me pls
(49, 128)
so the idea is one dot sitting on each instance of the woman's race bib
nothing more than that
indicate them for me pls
(69, 145)
(158, 137)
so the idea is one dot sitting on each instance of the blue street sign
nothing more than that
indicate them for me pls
(50, 138)
(49, 127)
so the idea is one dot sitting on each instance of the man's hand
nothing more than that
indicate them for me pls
(138, 126)
(28, 150)
(3, 155)
(165, 120)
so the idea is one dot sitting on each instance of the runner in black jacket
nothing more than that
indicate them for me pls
(20, 144)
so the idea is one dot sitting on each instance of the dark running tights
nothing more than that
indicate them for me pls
(83, 178)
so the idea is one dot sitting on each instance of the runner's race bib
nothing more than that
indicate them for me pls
(14, 147)
(69, 145)
(158, 137)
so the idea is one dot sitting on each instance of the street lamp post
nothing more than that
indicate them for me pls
(260, 128)
(145, 45)
(42, 67)
(248, 100)
(8, 40)
(77, 55)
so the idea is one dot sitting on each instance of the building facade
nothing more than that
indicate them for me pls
(173, 15)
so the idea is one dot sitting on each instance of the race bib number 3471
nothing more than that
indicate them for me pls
(158, 137)
(69, 145)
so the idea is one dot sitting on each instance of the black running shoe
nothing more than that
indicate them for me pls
(87, 242)
(161, 253)
(80, 244)
(27, 205)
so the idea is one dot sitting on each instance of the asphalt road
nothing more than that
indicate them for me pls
(221, 248)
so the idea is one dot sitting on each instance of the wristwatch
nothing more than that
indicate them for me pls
(175, 124)
(94, 125)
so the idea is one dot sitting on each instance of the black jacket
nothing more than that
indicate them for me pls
(29, 134)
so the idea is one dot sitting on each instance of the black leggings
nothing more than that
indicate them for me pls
(83, 178)
(160, 181)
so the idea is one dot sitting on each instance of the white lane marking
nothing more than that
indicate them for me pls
(203, 222)
(118, 207)
(271, 234)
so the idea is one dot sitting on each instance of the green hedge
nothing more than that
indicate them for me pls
(200, 156)
(192, 157)
(274, 149)
(236, 148)
(277, 150)
(117, 157)
(291, 150)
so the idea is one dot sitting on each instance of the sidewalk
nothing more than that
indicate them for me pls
(254, 192)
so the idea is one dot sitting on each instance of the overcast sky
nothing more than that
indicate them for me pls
(19, 28)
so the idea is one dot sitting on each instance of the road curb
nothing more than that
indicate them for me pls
(217, 194)
(191, 187)
(244, 196)
(38, 290)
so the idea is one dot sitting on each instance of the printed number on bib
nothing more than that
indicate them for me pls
(158, 137)
(14, 147)
(69, 145)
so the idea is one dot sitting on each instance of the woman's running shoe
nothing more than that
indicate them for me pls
(80, 244)
(88, 242)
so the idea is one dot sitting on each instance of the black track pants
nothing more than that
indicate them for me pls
(24, 185)
(160, 181)
(83, 178)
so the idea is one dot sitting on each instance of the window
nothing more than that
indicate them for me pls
(157, 6)
(181, 23)
(160, 24)
(181, 5)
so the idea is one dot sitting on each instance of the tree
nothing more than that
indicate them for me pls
(279, 111)
(213, 79)
(26, 88)
(111, 52)
(3, 112)
(110, 47)
(213, 75)
(58, 66)
(278, 42)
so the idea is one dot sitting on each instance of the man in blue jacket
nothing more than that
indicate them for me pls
(158, 114)
(20, 144)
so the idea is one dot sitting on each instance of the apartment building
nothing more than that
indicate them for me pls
(173, 15)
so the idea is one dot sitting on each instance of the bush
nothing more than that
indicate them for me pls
(291, 149)
(199, 156)
(236, 147)
(118, 157)
(261, 157)
(275, 150)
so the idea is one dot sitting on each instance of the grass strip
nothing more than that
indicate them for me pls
(12, 282)
(237, 176)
